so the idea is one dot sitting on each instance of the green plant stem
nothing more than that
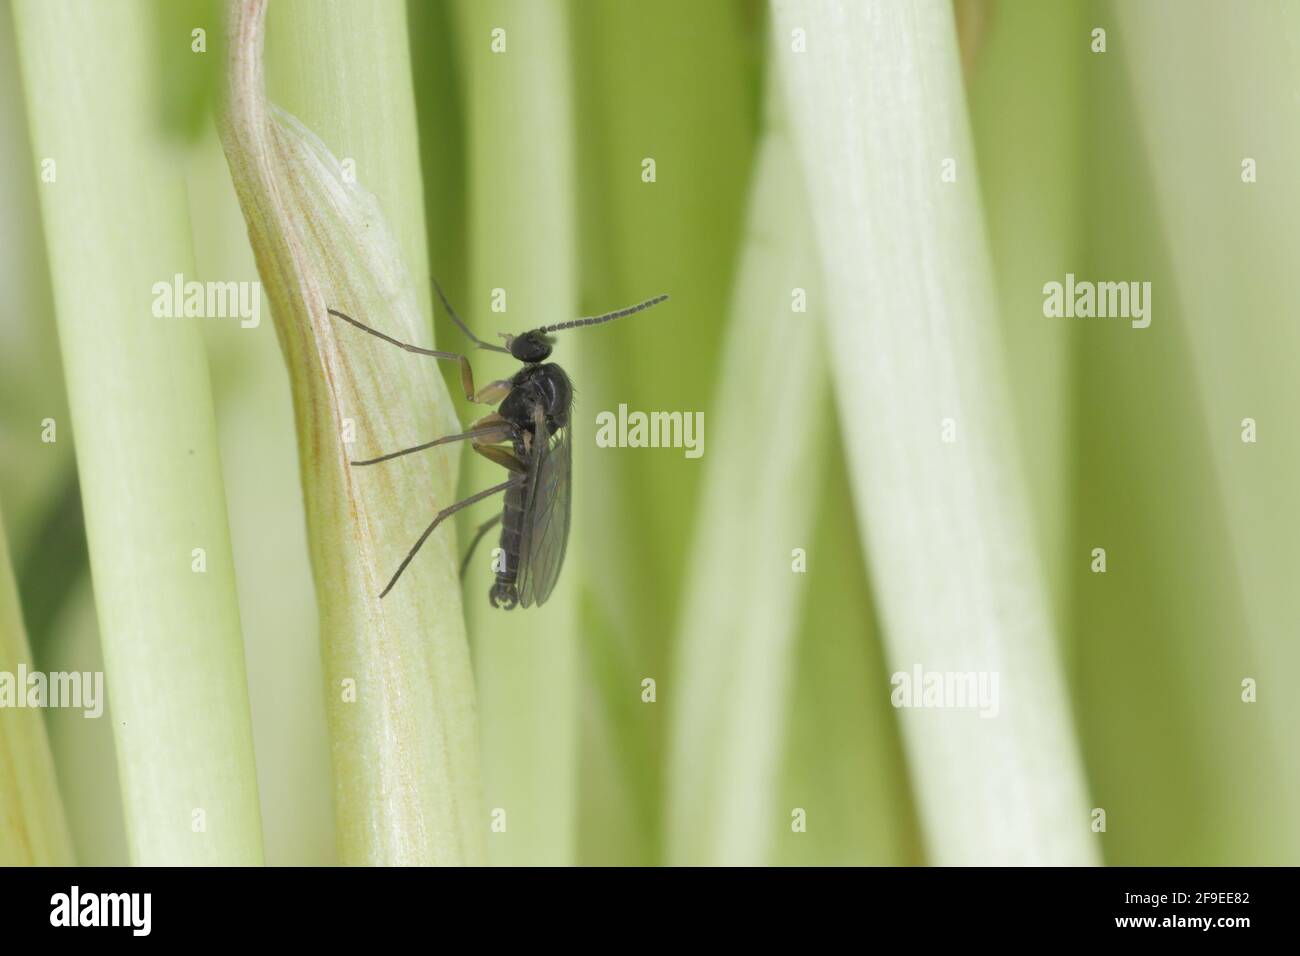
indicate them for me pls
(1028, 87)
(31, 381)
(33, 830)
(844, 761)
(116, 224)
(676, 82)
(1230, 243)
(259, 458)
(399, 689)
(85, 757)
(876, 103)
(519, 103)
(735, 659)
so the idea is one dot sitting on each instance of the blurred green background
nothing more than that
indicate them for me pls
(1117, 165)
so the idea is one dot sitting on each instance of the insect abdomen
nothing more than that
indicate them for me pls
(504, 594)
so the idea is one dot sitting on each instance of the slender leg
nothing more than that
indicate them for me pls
(483, 529)
(466, 373)
(495, 432)
(442, 516)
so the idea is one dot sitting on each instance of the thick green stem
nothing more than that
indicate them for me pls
(116, 224)
(399, 689)
(875, 99)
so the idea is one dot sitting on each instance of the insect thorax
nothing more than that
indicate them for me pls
(544, 385)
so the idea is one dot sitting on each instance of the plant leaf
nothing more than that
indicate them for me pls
(399, 690)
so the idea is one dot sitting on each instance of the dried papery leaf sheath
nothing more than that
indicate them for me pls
(398, 684)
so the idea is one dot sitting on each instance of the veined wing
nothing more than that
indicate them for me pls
(546, 513)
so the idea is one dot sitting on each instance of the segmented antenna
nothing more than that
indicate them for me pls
(607, 317)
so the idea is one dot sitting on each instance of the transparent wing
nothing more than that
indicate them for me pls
(546, 515)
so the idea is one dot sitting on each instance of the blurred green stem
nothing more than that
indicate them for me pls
(674, 83)
(876, 102)
(735, 655)
(116, 224)
(519, 104)
(1028, 87)
(1221, 150)
(33, 831)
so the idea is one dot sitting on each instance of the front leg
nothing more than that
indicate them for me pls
(490, 394)
(493, 393)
